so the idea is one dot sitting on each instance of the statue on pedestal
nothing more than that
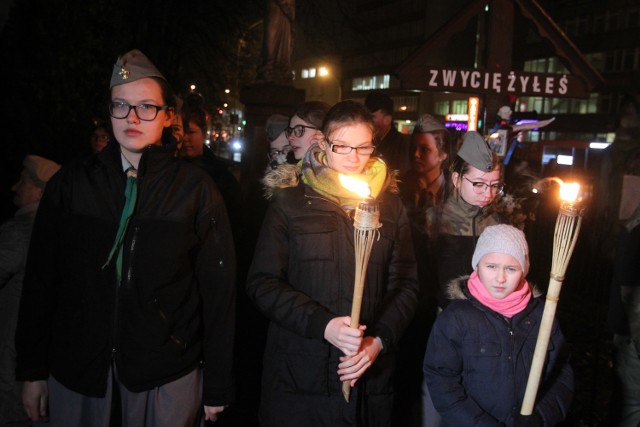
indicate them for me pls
(278, 42)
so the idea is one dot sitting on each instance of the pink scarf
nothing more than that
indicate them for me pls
(509, 306)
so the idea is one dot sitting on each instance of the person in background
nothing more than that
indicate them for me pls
(177, 127)
(393, 146)
(479, 353)
(302, 279)
(279, 147)
(624, 320)
(14, 243)
(195, 150)
(421, 188)
(100, 137)
(129, 295)
(425, 184)
(304, 126)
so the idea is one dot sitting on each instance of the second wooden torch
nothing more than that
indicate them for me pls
(564, 241)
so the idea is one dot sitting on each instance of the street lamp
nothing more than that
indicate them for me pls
(325, 73)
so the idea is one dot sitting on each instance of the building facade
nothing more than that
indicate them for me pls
(383, 35)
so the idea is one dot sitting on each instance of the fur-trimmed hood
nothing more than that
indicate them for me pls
(283, 176)
(288, 175)
(455, 289)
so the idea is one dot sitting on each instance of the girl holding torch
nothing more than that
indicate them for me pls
(302, 279)
(480, 350)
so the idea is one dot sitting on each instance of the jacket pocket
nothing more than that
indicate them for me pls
(149, 325)
(303, 373)
(480, 359)
(314, 237)
(481, 348)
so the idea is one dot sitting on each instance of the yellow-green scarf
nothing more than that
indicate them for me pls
(326, 181)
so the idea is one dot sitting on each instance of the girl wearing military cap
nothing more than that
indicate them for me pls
(454, 227)
(130, 278)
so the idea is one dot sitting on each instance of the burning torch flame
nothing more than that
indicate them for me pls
(569, 192)
(361, 188)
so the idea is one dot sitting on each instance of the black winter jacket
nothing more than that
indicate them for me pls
(477, 363)
(302, 276)
(177, 287)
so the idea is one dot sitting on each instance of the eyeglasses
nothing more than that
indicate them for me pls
(480, 187)
(146, 112)
(297, 130)
(346, 149)
(285, 150)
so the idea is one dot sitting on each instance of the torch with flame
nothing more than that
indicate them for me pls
(366, 222)
(564, 241)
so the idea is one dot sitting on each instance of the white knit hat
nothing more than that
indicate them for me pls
(503, 239)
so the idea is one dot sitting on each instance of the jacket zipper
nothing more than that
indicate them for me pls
(132, 249)
(128, 277)
(512, 353)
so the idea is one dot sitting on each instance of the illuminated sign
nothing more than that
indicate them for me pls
(456, 117)
(473, 105)
(458, 122)
(458, 126)
(517, 83)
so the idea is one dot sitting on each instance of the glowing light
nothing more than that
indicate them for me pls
(193, 87)
(473, 105)
(323, 71)
(225, 105)
(403, 108)
(456, 117)
(569, 191)
(361, 188)
(227, 91)
(599, 145)
(563, 159)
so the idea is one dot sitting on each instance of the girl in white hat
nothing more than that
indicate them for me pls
(480, 349)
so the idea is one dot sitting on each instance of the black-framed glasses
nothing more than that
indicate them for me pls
(346, 149)
(297, 130)
(146, 112)
(285, 150)
(480, 187)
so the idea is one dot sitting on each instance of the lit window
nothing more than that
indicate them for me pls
(312, 73)
(304, 73)
(371, 82)
(564, 159)
(441, 107)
